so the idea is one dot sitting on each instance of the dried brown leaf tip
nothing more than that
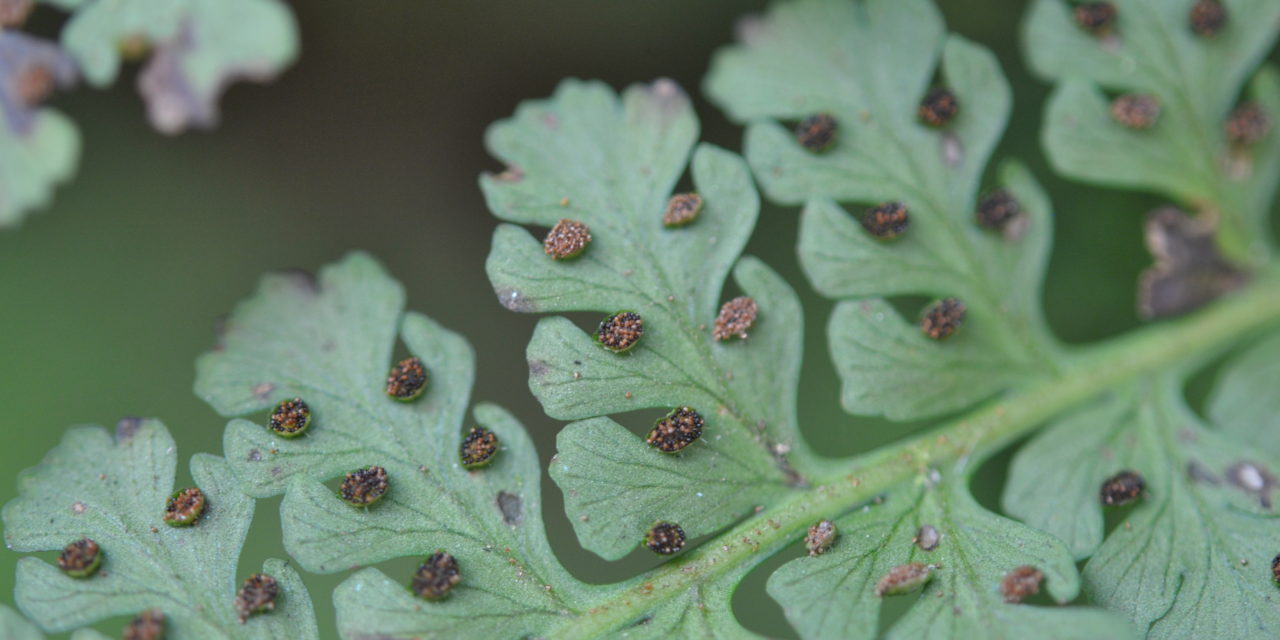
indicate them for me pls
(938, 107)
(665, 538)
(81, 558)
(290, 418)
(185, 507)
(568, 239)
(1021, 583)
(1137, 111)
(1121, 489)
(1097, 18)
(407, 380)
(676, 431)
(886, 221)
(256, 595)
(735, 318)
(682, 209)
(943, 319)
(820, 537)
(364, 487)
(149, 625)
(479, 448)
(1207, 18)
(927, 538)
(905, 578)
(621, 331)
(999, 211)
(436, 576)
(817, 132)
(14, 12)
(1189, 271)
(1247, 124)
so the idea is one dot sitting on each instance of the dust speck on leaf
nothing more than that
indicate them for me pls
(262, 390)
(1020, 583)
(512, 508)
(127, 427)
(254, 456)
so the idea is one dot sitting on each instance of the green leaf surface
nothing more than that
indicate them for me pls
(39, 148)
(1197, 81)
(612, 164)
(201, 46)
(114, 490)
(833, 595)
(834, 57)
(1192, 558)
(1244, 404)
(330, 341)
(15, 627)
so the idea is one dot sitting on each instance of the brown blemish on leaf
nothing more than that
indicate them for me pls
(512, 174)
(512, 508)
(905, 578)
(1188, 271)
(1020, 583)
(262, 390)
(127, 427)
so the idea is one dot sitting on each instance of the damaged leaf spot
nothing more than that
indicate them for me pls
(1021, 583)
(257, 595)
(904, 579)
(512, 508)
(1188, 271)
(435, 576)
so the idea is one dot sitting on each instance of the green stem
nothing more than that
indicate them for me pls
(1088, 374)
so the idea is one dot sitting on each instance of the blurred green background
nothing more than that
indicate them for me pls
(373, 140)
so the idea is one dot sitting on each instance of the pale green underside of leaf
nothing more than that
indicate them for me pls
(202, 46)
(1244, 403)
(610, 163)
(1192, 559)
(330, 342)
(15, 627)
(833, 595)
(33, 163)
(113, 490)
(835, 57)
(1197, 82)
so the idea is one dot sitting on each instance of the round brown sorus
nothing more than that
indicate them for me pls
(927, 537)
(1248, 124)
(886, 220)
(904, 578)
(407, 380)
(676, 431)
(479, 448)
(943, 318)
(997, 210)
(1275, 569)
(149, 625)
(436, 576)
(682, 209)
(256, 595)
(1207, 17)
(185, 507)
(735, 318)
(938, 107)
(290, 418)
(1097, 18)
(817, 132)
(620, 331)
(1121, 489)
(365, 486)
(1020, 583)
(820, 537)
(1136, 110)
(665, 538)
(80, 558)
(568, 239)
